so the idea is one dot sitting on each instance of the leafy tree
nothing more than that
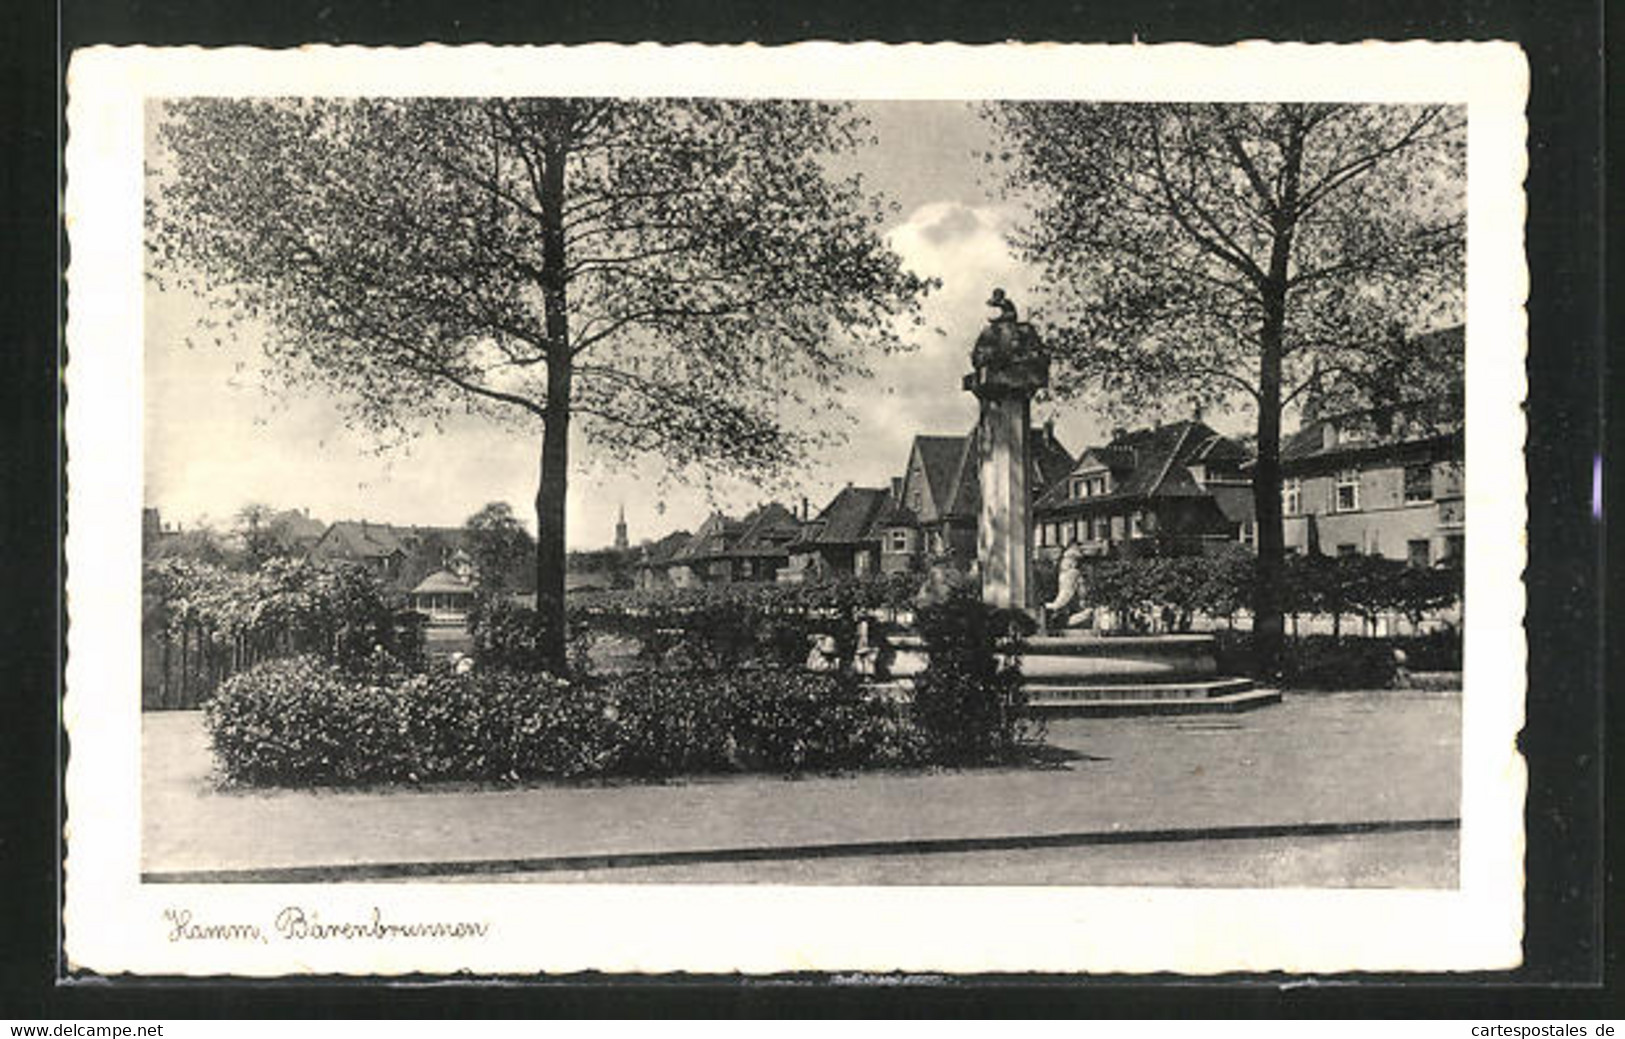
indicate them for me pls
(676, 276)
(1238, 253)
(258, 529)
(501, 548)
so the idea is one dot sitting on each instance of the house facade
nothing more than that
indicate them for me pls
(1180, 486)
(841, 540)
(725, 550)
(401, 557)
(1386, 483)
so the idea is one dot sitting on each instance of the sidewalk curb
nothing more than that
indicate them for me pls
(362, 871)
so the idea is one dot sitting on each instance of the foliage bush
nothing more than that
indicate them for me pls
(1168, 591)
(305, 722)
(1315, 661)
(969, 701)
(1435, 651)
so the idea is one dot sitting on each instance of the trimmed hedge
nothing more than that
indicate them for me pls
(304, 722)
(1173, 588)
(1341, 662)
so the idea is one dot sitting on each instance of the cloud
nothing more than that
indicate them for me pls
(959, 221)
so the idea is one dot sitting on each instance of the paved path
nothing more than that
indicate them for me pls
(1425, 859)
(1319, 759)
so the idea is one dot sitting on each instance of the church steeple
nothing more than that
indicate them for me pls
(620, 530)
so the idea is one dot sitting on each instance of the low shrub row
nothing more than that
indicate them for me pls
(1342, 662)
(1173, 589)
(307, 721)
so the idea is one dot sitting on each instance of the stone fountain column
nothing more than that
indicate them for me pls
(1009, 367)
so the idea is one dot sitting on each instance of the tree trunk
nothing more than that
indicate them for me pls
(1269, 625)
(553, 484)
(1268, 621)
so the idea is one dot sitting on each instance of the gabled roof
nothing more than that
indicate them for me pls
(1051, 460)
(710, 540)
(763, 532)
(954, 477)
(940, 458)
(1407, 424)
(766, 531)
(363, 540)
(1151, 462)
(966, 497)
(848, 518)
(442, 582)
(661, 551)
(297, 526)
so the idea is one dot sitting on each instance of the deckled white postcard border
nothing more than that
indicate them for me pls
(114, 924)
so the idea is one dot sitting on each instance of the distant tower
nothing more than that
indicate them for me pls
(620, 530)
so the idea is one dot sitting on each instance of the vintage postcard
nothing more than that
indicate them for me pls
(848, 508)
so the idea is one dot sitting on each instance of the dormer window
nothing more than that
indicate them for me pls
(1089, 486)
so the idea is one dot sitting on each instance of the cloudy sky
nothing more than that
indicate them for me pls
(217, 437)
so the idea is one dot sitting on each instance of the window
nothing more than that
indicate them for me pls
(1136, 523)
(1068, 533)
(1348, 490)
(1416, 552)
(1117, 528)
(1419, 482)
(1103, 528)
(897, 541)
(1346, 549)
(1087, 486)
(1291, 496)
(1455, 547)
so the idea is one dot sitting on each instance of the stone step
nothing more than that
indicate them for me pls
(1089, 644)
(1077, 644)
(1044, 692)
(1227, 704)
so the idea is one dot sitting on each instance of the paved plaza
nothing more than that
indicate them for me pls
(1124, 798)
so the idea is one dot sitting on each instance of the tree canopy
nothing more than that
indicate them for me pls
(501, 549)
(680, 276)
(397, 251)
(1168, 234)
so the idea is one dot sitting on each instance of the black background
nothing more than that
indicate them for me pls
(1570, 972)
